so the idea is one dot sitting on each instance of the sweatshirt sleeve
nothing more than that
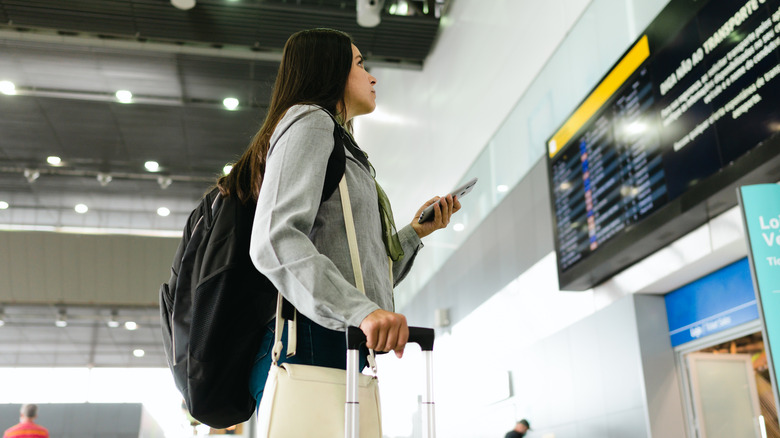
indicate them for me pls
(411, 244)
(286, 210)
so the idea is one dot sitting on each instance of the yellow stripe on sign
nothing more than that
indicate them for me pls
(614, 80)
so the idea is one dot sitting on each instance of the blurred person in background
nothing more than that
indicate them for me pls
(521, 428)
(27, 427)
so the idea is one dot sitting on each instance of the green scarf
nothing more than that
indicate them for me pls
(389, 233)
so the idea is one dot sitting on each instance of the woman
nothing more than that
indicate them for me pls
(298, 239)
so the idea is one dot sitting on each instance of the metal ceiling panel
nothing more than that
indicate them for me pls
(261, 25)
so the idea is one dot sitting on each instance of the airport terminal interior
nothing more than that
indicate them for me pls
(614, 273)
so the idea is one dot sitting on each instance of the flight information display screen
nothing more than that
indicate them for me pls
(691, 97)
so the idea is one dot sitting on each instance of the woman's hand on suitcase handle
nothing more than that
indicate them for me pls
(385, 331)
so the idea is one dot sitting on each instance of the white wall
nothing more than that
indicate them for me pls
(487, 54)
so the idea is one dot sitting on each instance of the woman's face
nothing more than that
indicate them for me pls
(359, 95)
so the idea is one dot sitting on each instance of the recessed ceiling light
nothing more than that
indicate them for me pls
(131, 325)
(401, 7)
(230, 103)
(502, 188)
(3, 205)
(8, 88)
(152, 166)
(458, 227)
(226, 170)
(81, 208)
(124, 96)
(162, 211)
(54, 160)
(138, 352)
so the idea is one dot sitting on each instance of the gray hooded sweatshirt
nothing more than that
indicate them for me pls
(301, 245)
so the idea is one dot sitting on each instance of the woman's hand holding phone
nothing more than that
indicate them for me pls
(443, 209)
(436, 213)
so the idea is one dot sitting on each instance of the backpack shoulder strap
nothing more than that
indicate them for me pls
(336, 165)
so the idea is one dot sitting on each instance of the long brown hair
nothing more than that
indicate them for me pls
(314, 70)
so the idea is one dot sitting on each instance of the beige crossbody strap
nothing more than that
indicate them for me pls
(346, 206)
(349, 221)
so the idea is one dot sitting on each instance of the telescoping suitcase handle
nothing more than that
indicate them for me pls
(355, 337)
(417, 335)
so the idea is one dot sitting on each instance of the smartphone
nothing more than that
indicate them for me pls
(428, 214)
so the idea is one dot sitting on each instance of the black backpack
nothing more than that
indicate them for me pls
(216, 304)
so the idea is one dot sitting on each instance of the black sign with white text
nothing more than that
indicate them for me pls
(706, 95)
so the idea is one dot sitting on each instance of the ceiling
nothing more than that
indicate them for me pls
(30, 337)
(68, 59)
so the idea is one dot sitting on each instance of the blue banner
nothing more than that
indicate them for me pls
(711, 304)
(761, 213)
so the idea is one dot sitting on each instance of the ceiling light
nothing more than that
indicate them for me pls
(112, 320)
(54, 161)
(31, 175)
(152, 166)
(183, 4)
(401, 8)
(230, 103)
(124, 96)
(8, 88)
(138, 352)
(164, 182)
(226, 170)
(502, 188)
(81, 208)
(62, 319)
(162, 211)
(131, 325)
(104, 178)
(3, 205)
(458, 227)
